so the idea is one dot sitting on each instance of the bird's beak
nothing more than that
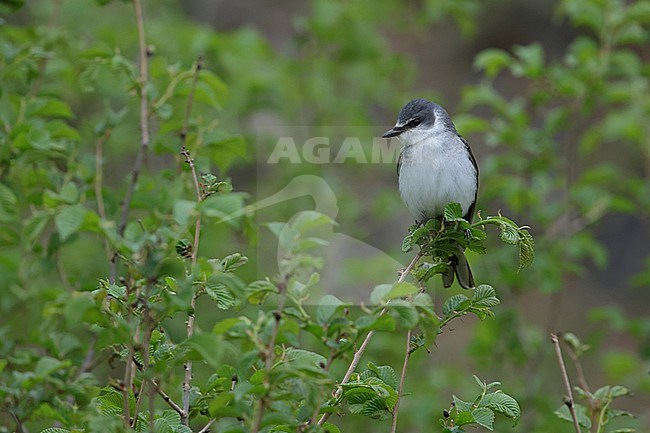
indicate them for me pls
(394, 132)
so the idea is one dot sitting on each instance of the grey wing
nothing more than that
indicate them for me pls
(470, 211)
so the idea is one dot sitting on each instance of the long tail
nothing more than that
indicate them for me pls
(460, 268)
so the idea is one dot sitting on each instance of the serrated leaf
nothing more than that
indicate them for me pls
(258, 290)
(69, 220)
(484, 296)
(526, 249)
(220, 293)
(455, 303)
(233, 261)
(386, 373)
(502, 403)
(462, 405)
(453, 212)
(484, 417)
(509, 234)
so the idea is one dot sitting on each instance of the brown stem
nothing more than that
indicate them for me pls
(567, 384)
(166, 398)
(364, 345)
(128, 376)
(197, 235)
(143, 81)
(190, 319)
(400, 389)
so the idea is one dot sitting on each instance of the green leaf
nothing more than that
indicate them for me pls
(223, 206)
(453, 212)
(464, 417)
(502, 403)
(8, 203)
(526, 249)
(408, 316)
(492, 61)
(400, 290)
(326, 308)
(484, 296)
(308, 220)
(509, 234)
(484, 417)
(220, 293)
(183, 210)
(207, 346)
(69, 220)
(46, 365)
(233, 261)
(379, 293)
(618, 391)
(375, 322)
(455, 303)
(330, 428)
(386, 373)
(582, 414)
(258, 290)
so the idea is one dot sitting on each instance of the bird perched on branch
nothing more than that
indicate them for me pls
(435, 167)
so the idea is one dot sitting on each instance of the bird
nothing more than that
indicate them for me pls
(435, 167)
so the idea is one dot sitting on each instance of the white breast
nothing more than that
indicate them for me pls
(435, 172)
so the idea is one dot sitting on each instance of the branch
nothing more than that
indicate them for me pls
(407, 356)
(197, 235)
(167, 398)
(143, 81)
(359, 353)
(567, 384)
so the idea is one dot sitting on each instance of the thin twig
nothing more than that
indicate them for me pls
(567, 384)
(402, 379)
(167, 398)
(582, 380)
(99, 172)
(207, 426)
(145, 366)
(128, 376)
(364, 345)
(191, 317)
(143, 81)
(187, 381)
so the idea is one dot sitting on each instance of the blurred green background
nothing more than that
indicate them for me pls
(553, 97)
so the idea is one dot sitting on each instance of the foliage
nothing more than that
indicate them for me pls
(135, 292)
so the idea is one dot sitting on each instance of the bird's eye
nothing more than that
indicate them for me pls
(415, 121)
